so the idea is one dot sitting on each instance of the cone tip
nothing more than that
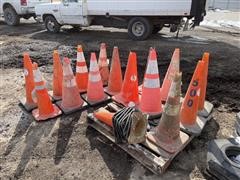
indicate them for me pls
(55, 52)
(66, 60)
(79, 48)
(103, 45)
(25, 54)
(93, 56)
(153, 54)
(35, 66)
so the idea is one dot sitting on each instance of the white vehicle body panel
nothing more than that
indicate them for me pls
(139, 7)
(80, 12)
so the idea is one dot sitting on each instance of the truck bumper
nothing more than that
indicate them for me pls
(27, 10)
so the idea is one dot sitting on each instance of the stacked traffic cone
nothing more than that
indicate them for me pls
(167, 134)
(57, 76)
(46, 109)
(28, 102)
(204, 107)
(103, 64)
(151, 97)
(188, 115)
(172, 69)
(129, 91)
(81, 71)
(95, 91)
(115, 77)
(71, 100)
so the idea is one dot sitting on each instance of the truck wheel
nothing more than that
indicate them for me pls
(139, 28)
(51, 24)
(11, 17)
(156, 29)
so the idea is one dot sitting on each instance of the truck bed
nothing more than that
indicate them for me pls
(139, 7)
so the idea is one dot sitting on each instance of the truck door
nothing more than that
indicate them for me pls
(71, 11)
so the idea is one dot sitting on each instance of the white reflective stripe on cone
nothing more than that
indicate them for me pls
(70, 83)
(81, 69)
(80, 57)
(152, 67)
(95, 78)
(40, 87)
(37, 76)
(151, 83)
(69, 71)
(94, 67)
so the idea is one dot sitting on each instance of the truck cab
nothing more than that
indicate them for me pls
(141, 17)
(13, 10)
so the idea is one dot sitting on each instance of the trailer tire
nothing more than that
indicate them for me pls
(11, 17)
(51, 24)
(139, 28)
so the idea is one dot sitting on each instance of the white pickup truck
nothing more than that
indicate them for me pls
(13, 10)
(141, 17)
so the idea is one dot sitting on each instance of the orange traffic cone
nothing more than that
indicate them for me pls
(103, 64)
(129, 91)
(46, 109)
(115, 77)
(57, 76)
(28, 102)
(95, 92)
(151, 97)
(172, 69)
(71, 99)
(205, 107)
(188, 115)
(81, 71)
(104, 116)
(167, 134)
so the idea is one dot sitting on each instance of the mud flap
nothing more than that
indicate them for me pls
(221, 159)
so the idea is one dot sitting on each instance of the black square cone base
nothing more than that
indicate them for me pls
(95, 103)
(208, 107)
(73, 109)
(28, 107)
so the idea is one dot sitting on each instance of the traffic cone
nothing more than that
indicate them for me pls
(115, 77)
(103, 64)
(129, 91)
(28, 102)
(46, 109)
(205, 107)
(172, 69)
(104, 116)
(188, 114)
(71, 99)
(151, 97)
(167, 134)
(95, 92)
(81, 71)
(57, 76)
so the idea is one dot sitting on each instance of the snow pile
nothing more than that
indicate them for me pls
(221, 23)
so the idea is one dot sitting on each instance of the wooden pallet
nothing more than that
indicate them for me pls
(148, 154)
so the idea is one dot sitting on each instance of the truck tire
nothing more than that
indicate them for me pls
(156, 29)
(139, 28)
(51, 24)
(11, 17)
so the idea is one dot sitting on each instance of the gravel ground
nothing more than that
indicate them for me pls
(65, 148)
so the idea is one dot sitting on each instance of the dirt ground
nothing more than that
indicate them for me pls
(65, 148)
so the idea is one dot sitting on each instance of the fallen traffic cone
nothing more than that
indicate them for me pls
(188, 114)
(129, 91)
(129, 125)
(81, 71)
(28, 102)
(57, 76)
(151, 96)
(46, 109)
(115, 77)
(71, 99)
(172, 69)
(205, 107)
(95, 91)
(103, 64)
(167, 134)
